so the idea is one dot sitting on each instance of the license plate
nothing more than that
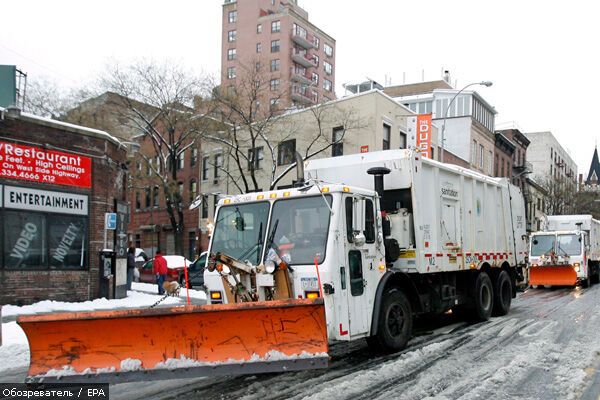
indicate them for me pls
(309, 283)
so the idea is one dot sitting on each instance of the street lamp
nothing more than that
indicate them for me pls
(482, 83)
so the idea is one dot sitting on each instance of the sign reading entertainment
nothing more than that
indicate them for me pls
(45, 200)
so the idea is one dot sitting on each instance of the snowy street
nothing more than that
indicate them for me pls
(548, 347)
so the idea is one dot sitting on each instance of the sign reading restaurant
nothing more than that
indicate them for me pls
(46, 166)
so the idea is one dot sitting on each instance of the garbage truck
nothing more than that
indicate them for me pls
(356, 249)
(566, 253)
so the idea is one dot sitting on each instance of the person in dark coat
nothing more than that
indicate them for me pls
(160, 269)
(130, 266)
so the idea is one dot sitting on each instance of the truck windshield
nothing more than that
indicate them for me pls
(240, 229)
(299, 229)
(542, 245)
(568, 245)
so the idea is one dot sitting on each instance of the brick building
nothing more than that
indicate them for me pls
(57, 181)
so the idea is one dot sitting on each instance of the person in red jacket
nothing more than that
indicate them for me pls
(160, 269)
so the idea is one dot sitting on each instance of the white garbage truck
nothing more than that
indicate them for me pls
(380, 237)
(566, 253)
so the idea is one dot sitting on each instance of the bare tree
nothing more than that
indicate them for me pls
(157, 101)
(560, 196)
(256, 124)
(44, 97)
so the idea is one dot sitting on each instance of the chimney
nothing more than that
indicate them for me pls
(447, 76)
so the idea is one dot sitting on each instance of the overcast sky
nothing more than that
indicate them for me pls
(542, 56)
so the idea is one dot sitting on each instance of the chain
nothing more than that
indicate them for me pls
(160, 300)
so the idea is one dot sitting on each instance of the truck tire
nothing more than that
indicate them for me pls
(483, 297)
(395, 323)
(502, 294)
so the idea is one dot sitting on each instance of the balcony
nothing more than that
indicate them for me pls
(523, 168)
(303, 60)
(302, 41)
(302, 79)
(300, 94)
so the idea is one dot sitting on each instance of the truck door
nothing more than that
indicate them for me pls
(361, 261)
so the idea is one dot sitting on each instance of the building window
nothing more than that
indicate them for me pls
(180, 190)
(328, 50)
(231, 73)
(194, 157)
(299, 31)
(286, 152)
(255, 156)
(274, 85)
(337, 145)
(218, 165)
(193, 190)
(387, 130)
(158, 164)
(315, 96)
(149, 167)
(155, 197)
(315, 60)
(481, 156)
(402, 140)
(490, 166)
(275, 26)
(148, 196)
(205, 168)
(274, 46)
(316, 42)
(181, 160)
(53, 241)
(259, 28)
(258, 48)
(232, 16)
(474, 152)
(327, 85)
(274, 103)
(231, 53)
(327, 67)
(231, 36)
(138, 201)
(275, 64)
(204, 206)
(138, 166)
(315, 78)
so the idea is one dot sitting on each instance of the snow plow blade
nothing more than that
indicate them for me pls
(563, 275)
(178, 342)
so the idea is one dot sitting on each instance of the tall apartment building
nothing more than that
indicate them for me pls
(549, 158)
(276, 39)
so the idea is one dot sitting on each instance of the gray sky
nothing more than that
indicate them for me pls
(541, 55)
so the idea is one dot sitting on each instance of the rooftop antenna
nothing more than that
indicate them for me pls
(404, 78)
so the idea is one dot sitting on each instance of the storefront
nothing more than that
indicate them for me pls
(57, 181)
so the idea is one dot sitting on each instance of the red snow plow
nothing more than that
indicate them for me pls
(552, 275)
(179, 342)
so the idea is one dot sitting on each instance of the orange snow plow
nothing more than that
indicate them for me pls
(178, 342)
(555, 275)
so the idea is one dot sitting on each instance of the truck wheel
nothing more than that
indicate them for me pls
(395, 323)
(483, 297)
(586, 283)
(502, 294)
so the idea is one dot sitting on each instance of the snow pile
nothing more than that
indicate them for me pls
(131, 364)
(14, 351)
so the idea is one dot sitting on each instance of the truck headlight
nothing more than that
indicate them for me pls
(576, 267)
(269, 266)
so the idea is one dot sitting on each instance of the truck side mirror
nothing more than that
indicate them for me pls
(358, 221)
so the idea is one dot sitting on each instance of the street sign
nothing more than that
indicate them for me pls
(110, 221)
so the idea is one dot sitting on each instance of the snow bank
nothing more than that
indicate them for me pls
(14, 351)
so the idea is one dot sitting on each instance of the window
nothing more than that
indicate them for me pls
(299, 70)
(337, 146)
(274, 85)
(231, 36)
(328, 50)
(231, 53)
(205, 168)
(258, 49)
(194, 157)
(193, 190)
(315, 78)
(259, 28)
(314, 96)
(149, 165)
(490, 162)
(274, 46)
(275, 26)
(204, 206)
(357, 284)
(138, 201)
(158, 164)
(232, 16)
(403, 140)
(286, 152)
(53, 240)
(230, 91)
(327, 67)
(316, 42)
(315, 60)
(299, 31)
(369, 221)
(274, 103)
(180, 189)
(148, 195)
(255, 156)
(231, 73)
(181, 160)
(387, 130)
(138, 166)
(275, 64)
(474, 152)
(218, 165)
(327, 85)
(155, 196)
(481, 156)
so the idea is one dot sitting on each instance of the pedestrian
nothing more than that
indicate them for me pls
(160, 269)
(130, 265)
